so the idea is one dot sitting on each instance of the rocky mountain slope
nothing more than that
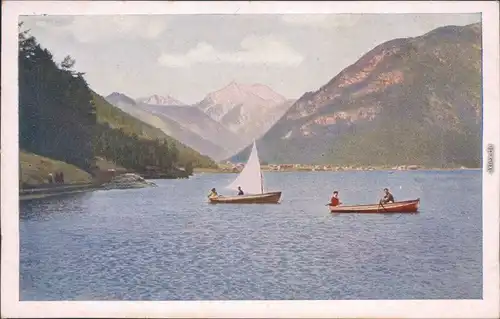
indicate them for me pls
(407, 101)
(247, 110)
(159, 100)
(219, 103)
(252, 122)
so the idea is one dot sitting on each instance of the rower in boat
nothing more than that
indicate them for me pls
(335, 201)
(240, 191)
(388, 198)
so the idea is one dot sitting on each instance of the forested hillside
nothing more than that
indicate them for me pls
(138, 135)
(56, 116)
(61, 118)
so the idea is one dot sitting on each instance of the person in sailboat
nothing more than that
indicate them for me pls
(240, 191)
(213, 193)
(335, 201)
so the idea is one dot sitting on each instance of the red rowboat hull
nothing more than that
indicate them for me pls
(409, 206)
(266, 198)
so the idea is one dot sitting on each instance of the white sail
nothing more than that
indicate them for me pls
(250, 178)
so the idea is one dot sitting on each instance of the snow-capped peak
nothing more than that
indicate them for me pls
(156, 99)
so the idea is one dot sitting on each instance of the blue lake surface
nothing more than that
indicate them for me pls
(168, 243)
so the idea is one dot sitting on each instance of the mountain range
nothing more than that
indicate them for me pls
(220, 125)
(159, 100)
(409, 100)
(166, 124)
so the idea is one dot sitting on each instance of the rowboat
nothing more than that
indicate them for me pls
(252, 183)
(409, 206)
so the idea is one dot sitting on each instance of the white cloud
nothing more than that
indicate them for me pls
(322, 20)
(88, 29)
(254, 50)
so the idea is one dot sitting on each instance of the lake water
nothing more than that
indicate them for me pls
(167, 243)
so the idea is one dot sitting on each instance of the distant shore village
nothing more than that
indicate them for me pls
(238, 167)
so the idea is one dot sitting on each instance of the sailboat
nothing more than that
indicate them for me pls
(252, 183)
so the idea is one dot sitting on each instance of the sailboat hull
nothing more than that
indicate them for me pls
(266, 198)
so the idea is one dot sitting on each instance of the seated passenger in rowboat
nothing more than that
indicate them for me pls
(213, 193)
(335, 201)
(388, 198)
(240, 191)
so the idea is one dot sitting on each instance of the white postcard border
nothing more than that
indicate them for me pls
(11, 307)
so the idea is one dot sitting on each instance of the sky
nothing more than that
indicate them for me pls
(189, 56)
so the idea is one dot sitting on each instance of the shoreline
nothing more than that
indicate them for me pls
(223, 171)
(47, 195)
(51, 191)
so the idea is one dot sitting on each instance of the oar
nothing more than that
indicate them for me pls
(380, 204)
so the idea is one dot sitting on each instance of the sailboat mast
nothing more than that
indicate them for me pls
(261, 183)
(260, 170)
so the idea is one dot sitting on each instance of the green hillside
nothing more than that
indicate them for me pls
(120, 120)
(62, 119)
